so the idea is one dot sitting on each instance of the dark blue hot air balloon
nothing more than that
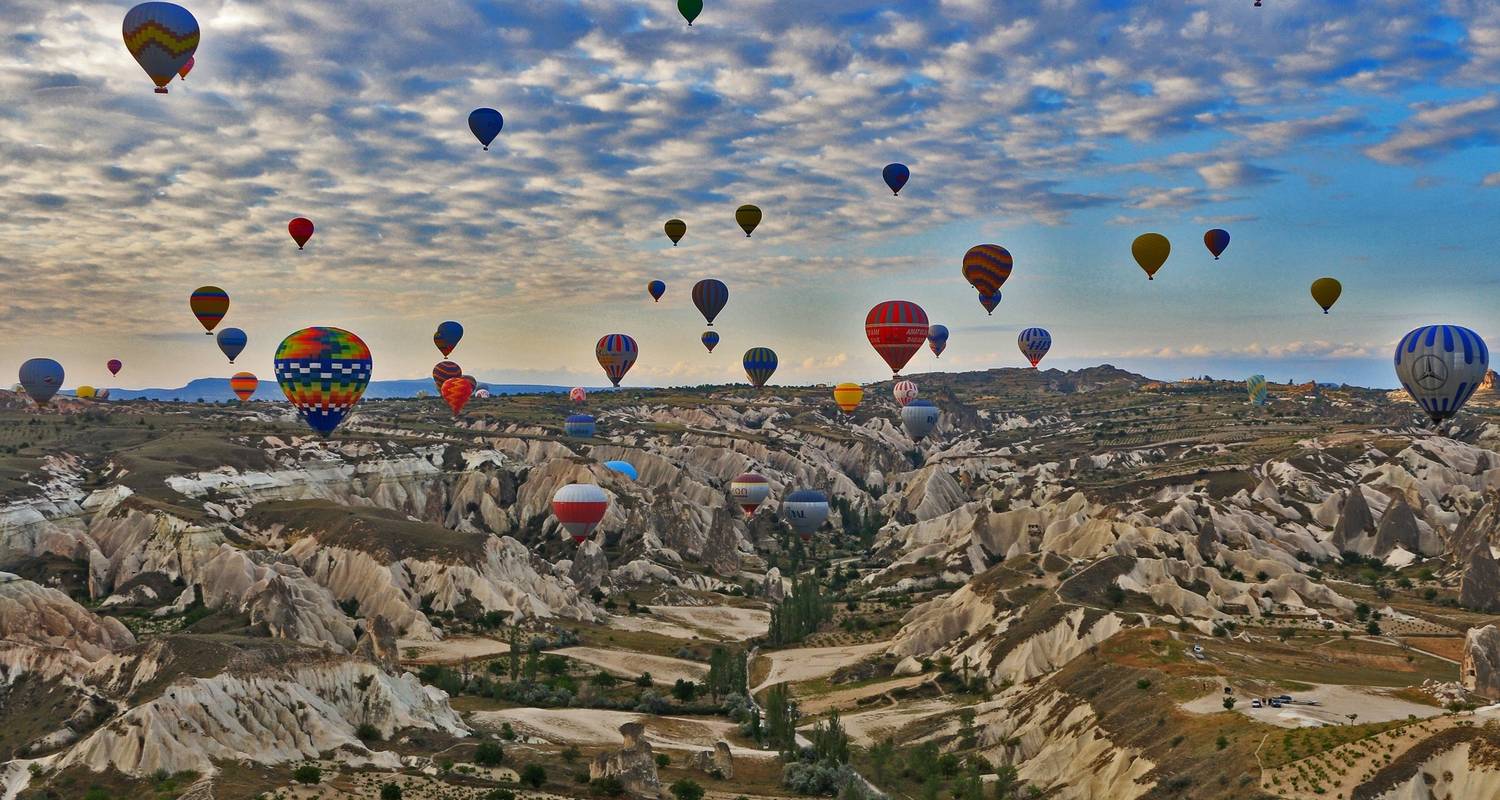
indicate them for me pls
(41, 378)
(710, 295)
(232, 342)
(656, 290)
(486, 124)
(710, 340)
(579, 426)
(447, 337)
(760, 363)
(1216, 240)
(896, 176)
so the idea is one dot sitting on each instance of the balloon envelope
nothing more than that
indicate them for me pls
(847, 396)
(580, 507)
(1441, 366)
(244, 384)
(617, 354)
(710, 296)
(904, 392)
(209, 305)
(232, 342)
(578, 394)
(760, 363)
(919, 417)
(710, 340)
(84, 393)
(806, 510)
(186, 68)
(1326, 291)
(896, 176)
(1034, 344)
(41, 378)
(323, 371)
(1151, 251)
(579, 426)
(485, 123)
(624, 468)
(444, 371)
(986, 268)
(896, 329)
(937, 339)
(457, 391)
(114, 366)
(1258, 389)
(676, 229)
(301, 230)
(656, 289)
(447, 337)
(748, 217)
(690, 9)
(749, 490)
(989, 301)
(1216, 240)
(162, 37)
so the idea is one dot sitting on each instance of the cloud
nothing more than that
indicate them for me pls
(1233, 174)
(1492, 179)
(1435, 129)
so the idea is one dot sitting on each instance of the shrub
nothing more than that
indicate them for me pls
(307, 773)
(534, 775)
(367, 732)
(500, 794)
(390, 791)
(687, 789)
(663, 760)
(609, 786)
(1143, 684)
(489, 754)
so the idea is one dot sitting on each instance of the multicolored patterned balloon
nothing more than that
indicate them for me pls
(447, 337)
(986, 268)
(578, 395)
(710, 296)
(760, 363)
(244, 384)
(710, 340)
(457, 391)
(209, 305)
(1216, 241)
(616, 353)
(580, 507)
(162, 37)
(749, 490)
(1441, 366)
(443, 372)
(937, 339)
(323, 372)
(904, 392)
(1258, 389)
(989, 301)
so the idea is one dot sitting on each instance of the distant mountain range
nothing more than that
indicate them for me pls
(217, 389)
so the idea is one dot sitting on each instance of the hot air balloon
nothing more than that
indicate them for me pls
(1326, 291)
(481, 394)
(457, 391)
(1258, 389)
(937, 339)
(806, 510)
(580, 507)
(186, 68)
(656, 289)
(919, 417)
(896, 329)
(760, 363)
(749, 490)
(41, 378)
(443, 372)
(578, 395)
(579, 426)
(1034, 344)
(209, 304)
(232, 342)
(101, 394)
(114, 366)
(624, 468)
(84, 393)
(895, 176)
(1441, 366)
(710, 340)
(1151, 251)
(676, 229)
(847, 396)
(447, 337)
(710, 296)
(162, 37)
(485, 124)
(904, 392)
(690, 10)
(244, 384)
(616, 353)
(301, 229)
(1216, 240)
(986, 268)
(989, 301)
(324, 372)
(748, 217)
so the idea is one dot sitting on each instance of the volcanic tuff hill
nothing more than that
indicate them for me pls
(1068, 579)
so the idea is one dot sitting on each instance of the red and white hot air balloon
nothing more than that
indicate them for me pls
(897, 329)
(580, 507)
(904, 392)
(749, 491)
(579, 395)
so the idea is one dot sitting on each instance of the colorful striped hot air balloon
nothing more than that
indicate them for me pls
(323, 371)
(1440, 366)
(209, 305)
(896, 329)
(1034, 344)
(186, 68)
(40, 379)
(989, 301)
(710, 340)
(806, 510)
(1216, 241)
(617, 354)
(162, 38)
(986, 268)
(749, 490)
(580, 507)
(1258, 389)
(904, 392)
(847, 396)
(232, 342)
(578, 395)
(244, 384)
(760, 363)
(447, 337)
(456, 392)
(710, 296)
(579, 426)
(444, 371)
(937, 339)
(656, 289)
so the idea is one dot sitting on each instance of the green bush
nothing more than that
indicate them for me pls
(686, 789)
(307, 773)
(489, 754)
(390, 791)
(534, 775)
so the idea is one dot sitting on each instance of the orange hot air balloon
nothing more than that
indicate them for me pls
(244, 384)
(847, 396)
(209, 305)
(457, 391)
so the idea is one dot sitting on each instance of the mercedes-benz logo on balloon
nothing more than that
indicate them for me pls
(1430, 372)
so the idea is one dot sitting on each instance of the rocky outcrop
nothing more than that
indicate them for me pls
(590, 568)
(34, 614)
(1481, 662)
(718, 762)
(634, 765)
(1479, 589)
(1398, 528)
(377, 644)
(774, 586)
(1355, 521)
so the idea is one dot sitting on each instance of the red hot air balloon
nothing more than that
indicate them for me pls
(897, 329)
(301, 230)
(114, 366)
(580, 507)
(443, 372)
(578, 395)
(457, 391)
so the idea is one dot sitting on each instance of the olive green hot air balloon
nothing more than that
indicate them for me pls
(1326, 292)
(748, 217)
(690, 9)
(676, 229)
(1151, 251)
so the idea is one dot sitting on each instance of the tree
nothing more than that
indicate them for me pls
(390, 791)
(307, 773)
(609, 786)
(881, 755)
(534, 775)
(687, 789)
(1229, 704)
(489, 754)
(684, 691)
(829, 741)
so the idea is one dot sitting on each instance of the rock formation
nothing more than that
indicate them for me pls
(377, 644)
(1479, 589)
(1355, 521)
(38, 615)
(1398, 528)
(634, 765)
(1481, 662)
(773, 587)
(590, 567)
(718, 762)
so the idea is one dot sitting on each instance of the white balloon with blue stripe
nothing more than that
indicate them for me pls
(1441, 366)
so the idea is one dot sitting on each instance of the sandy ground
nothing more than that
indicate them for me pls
(652, 624)
(630, 665)
(1337, 703)
(598, 728)
(850, 698)
(869, 727)
(811, 663)
(720, 623)
(449, 651)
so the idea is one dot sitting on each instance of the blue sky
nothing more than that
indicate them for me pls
(1343, 138)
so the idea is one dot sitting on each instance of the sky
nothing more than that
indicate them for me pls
(1353, 138)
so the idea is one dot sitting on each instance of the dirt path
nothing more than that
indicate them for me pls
(598, 728)
(626, 664)
(811, 663)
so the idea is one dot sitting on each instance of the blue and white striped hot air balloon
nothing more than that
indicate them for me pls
(1034, 344)
(1441, 366)
(805, 510)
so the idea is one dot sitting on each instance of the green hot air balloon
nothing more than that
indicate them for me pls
(690, 9)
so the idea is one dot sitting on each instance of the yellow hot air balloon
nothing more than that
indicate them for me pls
(1151, 251)
(1326, 292)
(85, 393)
(847, 396)
(748, 217)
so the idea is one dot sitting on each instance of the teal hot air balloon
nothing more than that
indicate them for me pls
(1258, 389)
(760, 364)
(690, 10)
(624, 468)
(41, 378)
(232, 342)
